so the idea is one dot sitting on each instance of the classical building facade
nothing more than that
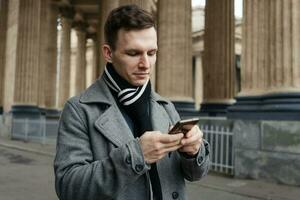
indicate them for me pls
(198, 30)
(50, 50)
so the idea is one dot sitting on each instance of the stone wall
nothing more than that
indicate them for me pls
(267, 150)
(5, 125)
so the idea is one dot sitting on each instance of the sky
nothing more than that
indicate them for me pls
(238, 6)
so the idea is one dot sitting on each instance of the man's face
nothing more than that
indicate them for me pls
(135, 54)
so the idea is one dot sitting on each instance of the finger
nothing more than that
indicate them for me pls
(196, 143)
(191, 143)
(163, 153)
(171, 144)
(161, 146)
(192, 131)
(167, 138)
(196, 134)
(173, 148)
(190, 149)
(193, 139)
(166, 150)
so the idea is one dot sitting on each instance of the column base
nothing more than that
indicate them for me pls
(27, 123)
(214, 109)
(26, 111)
(52, 120)
(51, 113)
(31, 123)
(185, 109)
(285, 106)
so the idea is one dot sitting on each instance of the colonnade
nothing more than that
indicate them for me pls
(43, 65)
(39, 68)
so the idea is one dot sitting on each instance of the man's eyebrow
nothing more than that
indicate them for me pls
(131, 50)
(138, 50)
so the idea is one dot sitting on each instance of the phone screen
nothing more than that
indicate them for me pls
(183, 126)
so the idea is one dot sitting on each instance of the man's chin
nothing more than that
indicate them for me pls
(139, 82)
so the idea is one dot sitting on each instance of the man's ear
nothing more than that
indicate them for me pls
(107, 53)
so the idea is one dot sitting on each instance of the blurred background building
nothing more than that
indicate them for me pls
(241, 77)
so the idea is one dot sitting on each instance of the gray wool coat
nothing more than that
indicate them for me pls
(97, 157)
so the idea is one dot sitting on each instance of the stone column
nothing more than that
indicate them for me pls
(268, 107)
(22, 53)
(255, 61)
(64, 62)
(270, 60)
(91, 60)
(105, 7)
(142, 3)
(218, 59)
(48, 58)
(198, 82)
(80, 70)
(51, 62)
(73, 62)
(43, 54)
(3, 29)
(275, 46)
(95, 51)
(174, 59)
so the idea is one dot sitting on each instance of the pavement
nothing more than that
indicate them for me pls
(26, 172)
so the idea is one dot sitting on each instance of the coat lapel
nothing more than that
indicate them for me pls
(113, 126)
(111, 122)
(159, 117)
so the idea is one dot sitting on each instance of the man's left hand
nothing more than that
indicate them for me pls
(192, 141)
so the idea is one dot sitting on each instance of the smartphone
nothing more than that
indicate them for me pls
(183, 126)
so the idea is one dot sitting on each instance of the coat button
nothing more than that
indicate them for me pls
(128, 160)
(200, 159)
(175, 195)
(139, 168)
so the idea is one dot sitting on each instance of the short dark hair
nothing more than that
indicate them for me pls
(128, 17)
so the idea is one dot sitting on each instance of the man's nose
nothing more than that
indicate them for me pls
(144, 61)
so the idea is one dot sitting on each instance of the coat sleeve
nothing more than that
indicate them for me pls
(193, 168)
(78, 176)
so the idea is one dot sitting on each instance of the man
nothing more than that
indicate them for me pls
(112, 141)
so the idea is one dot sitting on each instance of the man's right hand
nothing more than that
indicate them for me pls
(156, 145)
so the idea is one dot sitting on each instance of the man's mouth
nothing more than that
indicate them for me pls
(141, 75)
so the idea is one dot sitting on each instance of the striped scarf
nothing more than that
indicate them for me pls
(135, 100)
(136, 103)
(126, 96)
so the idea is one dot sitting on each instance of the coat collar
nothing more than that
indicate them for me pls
(98, 92)
(106, 122)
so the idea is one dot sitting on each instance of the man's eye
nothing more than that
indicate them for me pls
(151, 53)
(132, 53)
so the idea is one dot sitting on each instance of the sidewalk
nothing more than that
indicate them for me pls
(255, 189)
(42, 149)
(212, 187)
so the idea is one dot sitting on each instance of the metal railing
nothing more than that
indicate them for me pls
(220, 138)
(221, 144)
(38, 130)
